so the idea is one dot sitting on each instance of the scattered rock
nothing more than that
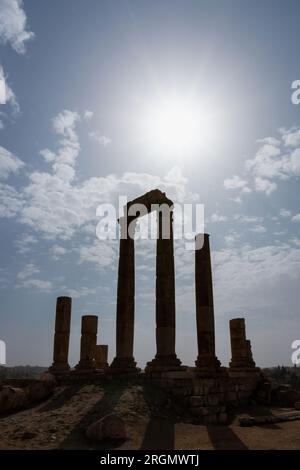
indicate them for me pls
(109, 427)
(268, 419)
(12, 398)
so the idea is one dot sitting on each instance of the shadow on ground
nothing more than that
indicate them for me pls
(76, 438)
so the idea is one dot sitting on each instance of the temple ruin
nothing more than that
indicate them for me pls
(208, 388)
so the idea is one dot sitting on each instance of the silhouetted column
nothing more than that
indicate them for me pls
(206, 360)
(101, 356)
(241, 354)
(250, 360)
(61, 336)
(165, 295)
(89, 326)
(124, 361)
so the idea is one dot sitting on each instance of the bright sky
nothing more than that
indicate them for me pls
(100, 99)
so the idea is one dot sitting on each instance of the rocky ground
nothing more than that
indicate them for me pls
(153, 421)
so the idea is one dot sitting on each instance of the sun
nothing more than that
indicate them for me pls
(177, 125)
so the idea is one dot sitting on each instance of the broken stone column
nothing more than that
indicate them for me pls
(89, 326)
(165, 357)
(241, 354)
(61, 336)
(124, 360)
(207, 361)
(101, 356)
(249, 354)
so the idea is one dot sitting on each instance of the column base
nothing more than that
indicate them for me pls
(163, 363)
(242, 365)
(102, 366)
(123, 365)
(85, 367)
(59, 368)
(207, 365)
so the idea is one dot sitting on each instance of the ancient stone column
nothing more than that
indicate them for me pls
(101, 356)
(89, 326)
(249, 354)
(207, 361)
(241, 354)
(61, 336)
(124, 361)
(165, 357)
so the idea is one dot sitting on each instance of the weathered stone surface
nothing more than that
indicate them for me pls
(110, 426)
(206, 360)
(89, 326)
(15, 397)
(12, 398)
(101, 352)
(241, 354)
(165, 358)
(61, 336)
(124, 361)
(41, 388)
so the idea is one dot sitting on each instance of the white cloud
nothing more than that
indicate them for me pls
(88, 115)
(291, 138)
(57, 251)
(231, 238)
(48, 156)
(258, 229)
(9, 163)
(13, 25)
(25, 243)
(264, 185)
(285, 213)
(2, 87)
(80, 292)
(296, 218)
(295, 162)
(235, 182)
(38, 284)
(26, 280)
(101, 139)
(11, 201)
(270, 164)
(244, 274)
(248, 219)
(101, 253)
(28, 270)
(7, 99)
(216, 217)
(56, 205)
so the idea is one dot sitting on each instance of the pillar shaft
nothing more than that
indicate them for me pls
(241, 354)
(165, 295)
(62, 335)
(101, 356)
(89, 326)
(206, 359)
(124, 360)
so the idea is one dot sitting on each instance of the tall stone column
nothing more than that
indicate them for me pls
(207, 361)
(241, 354)
(61, 336)
(101, 356)
(89, 326)
(124, 360)
(165, 357)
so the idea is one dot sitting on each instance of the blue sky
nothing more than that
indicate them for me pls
(79, 78)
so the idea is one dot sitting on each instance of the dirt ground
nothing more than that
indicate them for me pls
(152, 422)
